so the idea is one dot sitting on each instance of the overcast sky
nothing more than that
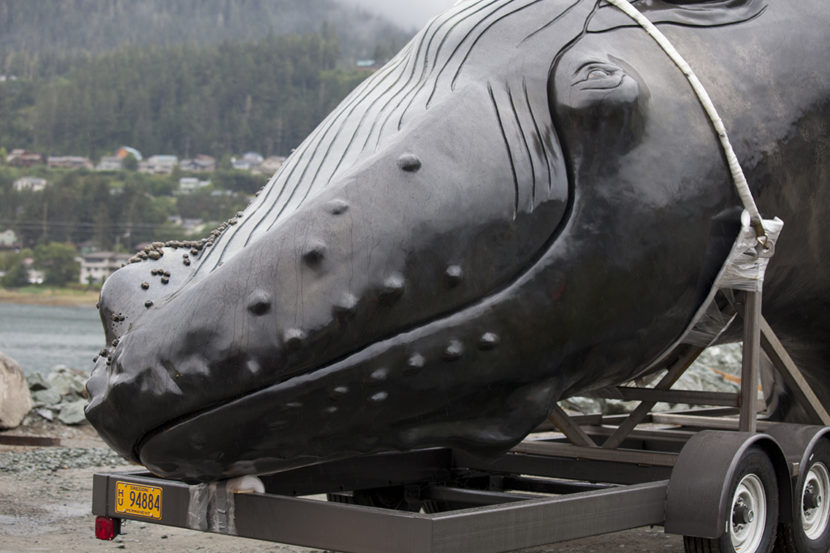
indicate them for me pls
(409, 14)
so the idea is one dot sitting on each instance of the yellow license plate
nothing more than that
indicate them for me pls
(135, 500)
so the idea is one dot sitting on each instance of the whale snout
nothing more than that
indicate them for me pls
(340, 277)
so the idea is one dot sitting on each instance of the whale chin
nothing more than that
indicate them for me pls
(315, 418)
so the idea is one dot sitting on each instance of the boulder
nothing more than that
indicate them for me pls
(46, 397)
(37, 382)
(15, 400)
(72, 412)
(67, 381)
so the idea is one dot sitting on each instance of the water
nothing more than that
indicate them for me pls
(39, 337)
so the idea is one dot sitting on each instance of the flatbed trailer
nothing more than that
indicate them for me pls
(724, 477)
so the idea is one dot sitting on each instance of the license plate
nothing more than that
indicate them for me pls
(135, 500)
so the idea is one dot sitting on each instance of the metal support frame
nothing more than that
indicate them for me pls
(750, 368)
(758, 336)
(515, 522)
(788, 370)
(639, 414)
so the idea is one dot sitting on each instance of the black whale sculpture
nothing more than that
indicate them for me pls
(527, 203)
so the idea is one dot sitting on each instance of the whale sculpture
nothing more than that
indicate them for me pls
(527, 203)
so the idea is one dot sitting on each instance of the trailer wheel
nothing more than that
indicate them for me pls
(752, 510)
(810, 530)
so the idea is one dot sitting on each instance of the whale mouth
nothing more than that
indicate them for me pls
(392, 380)
(394, 395)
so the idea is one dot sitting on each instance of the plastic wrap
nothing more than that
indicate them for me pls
(747, 262)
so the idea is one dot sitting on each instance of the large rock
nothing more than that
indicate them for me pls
(15, 400)
(73, 412)
(67, 381)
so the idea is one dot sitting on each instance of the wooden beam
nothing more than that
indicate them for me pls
(33, 441)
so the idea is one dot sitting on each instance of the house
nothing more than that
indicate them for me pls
(88, 246)
(34, 184)
(23, 158)
(199, 164)
(192, 225)
(366, 65)
(110, 163)
(96, 267)
(36, 277)
(68, 162)
(269, 166)
(9, 240)
(248, 161)
(158, 165)
(188, 185)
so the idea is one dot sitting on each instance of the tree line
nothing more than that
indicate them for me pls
(44, 39)
(184, 100)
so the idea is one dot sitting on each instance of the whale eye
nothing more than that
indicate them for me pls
(598, 76)
(259, 303)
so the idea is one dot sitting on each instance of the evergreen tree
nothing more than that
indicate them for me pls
(57, 262)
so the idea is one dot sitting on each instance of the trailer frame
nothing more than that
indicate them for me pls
(579, 476)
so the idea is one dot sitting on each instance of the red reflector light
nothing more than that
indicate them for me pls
(107, 528)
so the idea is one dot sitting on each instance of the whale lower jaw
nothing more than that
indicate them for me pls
(408, 392)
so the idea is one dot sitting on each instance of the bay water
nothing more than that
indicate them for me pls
(39, 337)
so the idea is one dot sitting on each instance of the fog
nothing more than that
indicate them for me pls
(409, 14)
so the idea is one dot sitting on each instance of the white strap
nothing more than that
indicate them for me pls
(734, 165)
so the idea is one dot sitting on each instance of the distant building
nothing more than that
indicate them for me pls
(188, 185)
(36, 277)
(158, 165)
(95, 267)
(199, 164)
(69, 162)
(110, 163)
(88, 246)
(366, 65)
(34, 184)
(9, 240)
(192, 225)
(269, 166)
(23, 158)
(248, 161)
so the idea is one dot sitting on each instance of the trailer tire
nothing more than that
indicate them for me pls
(752, 508)
(810, 530)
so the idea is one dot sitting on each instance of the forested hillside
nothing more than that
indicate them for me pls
(43, 37)
(83, 77)
(230, 97)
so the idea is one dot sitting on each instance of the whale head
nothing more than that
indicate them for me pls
(517, 208)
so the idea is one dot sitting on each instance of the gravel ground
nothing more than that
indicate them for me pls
(45, 499)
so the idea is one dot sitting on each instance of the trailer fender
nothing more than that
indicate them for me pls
(696, 503)
(797, 441)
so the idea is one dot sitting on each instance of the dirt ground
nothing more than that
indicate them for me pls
(48, 510)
